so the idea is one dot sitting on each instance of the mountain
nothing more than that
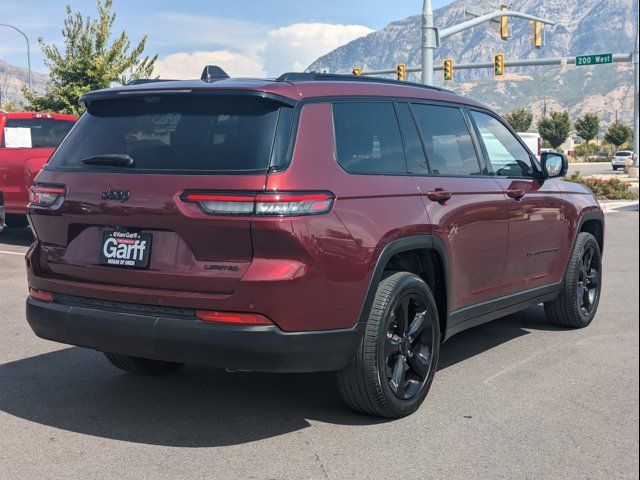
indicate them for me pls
(13, 78)
(582, 26)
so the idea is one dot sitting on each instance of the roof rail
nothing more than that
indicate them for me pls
(313, 76)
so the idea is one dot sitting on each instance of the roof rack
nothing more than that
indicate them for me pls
(314, 76)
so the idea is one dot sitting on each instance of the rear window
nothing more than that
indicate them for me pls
(623, 154)
(368, 138)
(34, 132)
(177, 133)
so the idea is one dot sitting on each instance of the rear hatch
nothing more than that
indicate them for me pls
(121, 216)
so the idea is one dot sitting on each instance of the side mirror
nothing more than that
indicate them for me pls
(554, 164)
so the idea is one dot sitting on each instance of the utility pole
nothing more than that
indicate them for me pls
(428, 42)
(28, 48)
(636, 108)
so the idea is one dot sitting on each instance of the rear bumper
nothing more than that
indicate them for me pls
(179, 339)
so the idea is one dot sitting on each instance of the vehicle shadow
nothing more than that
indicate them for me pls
(76, 389)
(16, 236)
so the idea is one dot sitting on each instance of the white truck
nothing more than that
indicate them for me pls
(533, 141)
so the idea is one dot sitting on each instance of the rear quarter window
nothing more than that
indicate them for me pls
(368, 138)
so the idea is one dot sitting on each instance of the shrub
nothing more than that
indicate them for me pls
(584, 150)
(613, 189)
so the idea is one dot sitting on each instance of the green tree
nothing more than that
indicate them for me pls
(90, 60)
(587, 127)
(555, 128)
(11, 106)
(520, 119)
(617, 134)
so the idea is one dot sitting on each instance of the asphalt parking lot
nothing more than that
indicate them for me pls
(516, 398)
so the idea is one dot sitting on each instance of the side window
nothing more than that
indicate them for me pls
(368, 138)
(450, 150)
(506, 154)
(416, 161)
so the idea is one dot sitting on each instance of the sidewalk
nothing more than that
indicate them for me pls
(613, 206)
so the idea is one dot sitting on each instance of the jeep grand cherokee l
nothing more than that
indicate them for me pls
(308, 223)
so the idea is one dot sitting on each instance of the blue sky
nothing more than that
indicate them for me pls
(246, 37)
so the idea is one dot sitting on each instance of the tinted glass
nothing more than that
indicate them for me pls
(368, 138)
(416, 160)
(507, 156)
(447, 140)
(623, 154)
(176, 133)
(43, 132)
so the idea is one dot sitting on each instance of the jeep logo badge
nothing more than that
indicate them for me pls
(111, 194)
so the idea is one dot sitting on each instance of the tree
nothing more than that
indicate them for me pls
(617, 134)
(587, 127)
(520, 119)
(90, 61)
(555, 128)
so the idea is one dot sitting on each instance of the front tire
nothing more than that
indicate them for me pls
(393, 368)
(141, 366)
(579, 298)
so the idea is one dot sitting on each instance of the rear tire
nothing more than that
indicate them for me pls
(141, 366)
(579, 298)
(16, 221)
(393, 368)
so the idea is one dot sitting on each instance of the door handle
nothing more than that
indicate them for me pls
(439, 195)
(516, 193)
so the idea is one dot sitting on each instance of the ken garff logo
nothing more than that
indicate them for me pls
(111, 194)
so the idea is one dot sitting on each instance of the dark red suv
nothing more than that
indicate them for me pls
(308, 223)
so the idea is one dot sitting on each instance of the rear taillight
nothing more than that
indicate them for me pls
(41, 295)
(262, 203)
(45, 196)
(232, 317)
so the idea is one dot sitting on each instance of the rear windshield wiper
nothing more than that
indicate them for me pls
(110, 159)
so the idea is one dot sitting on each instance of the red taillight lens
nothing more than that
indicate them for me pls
(234, 318)
(262, 203)
(41, 295)
(42, 196)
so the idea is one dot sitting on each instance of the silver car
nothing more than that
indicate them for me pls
(621, 159)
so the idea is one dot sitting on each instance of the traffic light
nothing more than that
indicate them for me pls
(536, 31)
(504, 24)
(498, 64)
(401, 72)
(357, 71)
(448, 69)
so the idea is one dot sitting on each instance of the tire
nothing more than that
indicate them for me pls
(579, 298)
(393, 368)
(615, 169)
(141, 366)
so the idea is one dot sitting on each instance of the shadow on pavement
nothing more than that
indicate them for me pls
(77, 390)
(16, 236)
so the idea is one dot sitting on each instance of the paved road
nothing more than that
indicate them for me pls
(516, 398)
(599, 168)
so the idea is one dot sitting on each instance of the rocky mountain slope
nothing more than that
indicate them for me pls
(13, 78)
(582, 26)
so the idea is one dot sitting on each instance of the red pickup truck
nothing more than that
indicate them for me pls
(27, 140)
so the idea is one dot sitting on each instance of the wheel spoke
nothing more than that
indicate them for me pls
(417, 325)
(420, 361)
(593, 279)
(403, 315)
(397, 379)
(392, 346)
(581, 289)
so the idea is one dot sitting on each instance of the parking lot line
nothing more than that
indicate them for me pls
(12, 253)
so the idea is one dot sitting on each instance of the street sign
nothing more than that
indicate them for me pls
(599, 59)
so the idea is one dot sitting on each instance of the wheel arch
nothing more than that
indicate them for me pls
(424, 255)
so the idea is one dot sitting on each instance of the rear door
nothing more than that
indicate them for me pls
(538, 226)
(127, 169)
(466, 208)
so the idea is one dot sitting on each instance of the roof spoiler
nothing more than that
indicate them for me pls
(213, 72)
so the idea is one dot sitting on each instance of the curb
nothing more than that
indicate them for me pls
(617, 206)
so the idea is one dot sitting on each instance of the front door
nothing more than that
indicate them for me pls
(537, 225)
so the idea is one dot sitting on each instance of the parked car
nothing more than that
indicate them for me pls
(621, 159)
(310, 223)
(26, 141)
(2, 224)
(533, 142)
(599, 157)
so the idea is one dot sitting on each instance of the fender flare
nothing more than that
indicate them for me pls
(417, 242)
